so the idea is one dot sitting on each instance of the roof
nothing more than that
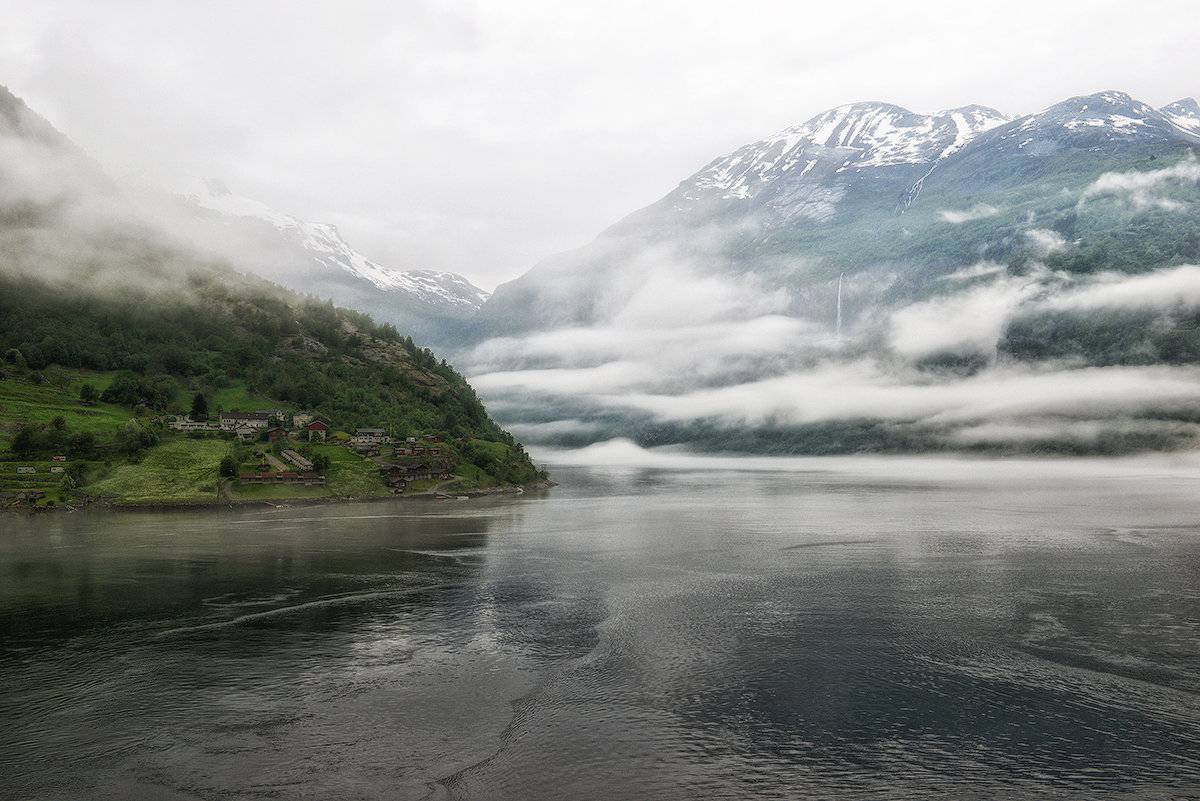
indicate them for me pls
(244, 415)
(375, 431)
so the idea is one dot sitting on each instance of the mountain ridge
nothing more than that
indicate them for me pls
(779, 189)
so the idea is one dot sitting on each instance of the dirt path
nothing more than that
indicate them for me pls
(436, 488)
(278, 465)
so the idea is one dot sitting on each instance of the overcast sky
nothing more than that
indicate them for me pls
(480, 137)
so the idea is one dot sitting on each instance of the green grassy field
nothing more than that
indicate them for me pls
(351, 475)
(22, 402)
(177, 471)
(274, 492)
(233, 398)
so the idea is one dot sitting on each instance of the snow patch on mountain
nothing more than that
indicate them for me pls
(851, 137)
(326, 246)
(1183, 114)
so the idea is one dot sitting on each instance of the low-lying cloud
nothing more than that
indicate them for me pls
(978, 212)
(1166, 288)
(620, 455)
(64, 221)
(1144, 189)
(1045, 241)
(865, 390)
(968, 321)
(741, 370)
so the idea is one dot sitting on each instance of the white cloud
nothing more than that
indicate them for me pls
(610, 377)
(981, 270)
(1084, 432)
(620, 453)
(863, 390)
(671, 295)
(970, 321)
(554, 429)
(1045, 241)
(1142, 188)
(1164, 288)
(977, 212)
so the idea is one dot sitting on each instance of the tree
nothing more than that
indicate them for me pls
(25, 442)
(81, 445)
(229, 466)
(122, 390)
(199, 407)
(88, 395)
(135, 437)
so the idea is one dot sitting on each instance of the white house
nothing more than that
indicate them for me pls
(184, 423)
(371, 436)
(231, 421)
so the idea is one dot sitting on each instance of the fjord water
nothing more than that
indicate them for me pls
(838, 629)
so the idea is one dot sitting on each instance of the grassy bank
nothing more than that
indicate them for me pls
(176, 471)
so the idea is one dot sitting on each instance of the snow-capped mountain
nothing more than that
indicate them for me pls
(811, 198)
(323, 243)
(1111, 120)
(875, 279)
(849, 139)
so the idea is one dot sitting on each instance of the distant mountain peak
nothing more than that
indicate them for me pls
(849, 138)
(1185, 114)
(325, 245)
(1102, 119)
(1186, 105)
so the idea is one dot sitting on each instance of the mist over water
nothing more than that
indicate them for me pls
(658, 626)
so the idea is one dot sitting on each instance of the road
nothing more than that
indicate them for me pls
(278, 465)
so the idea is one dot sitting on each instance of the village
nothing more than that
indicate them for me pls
(421, 458)
(289, 450)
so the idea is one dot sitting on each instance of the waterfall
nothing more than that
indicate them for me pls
(839, 308)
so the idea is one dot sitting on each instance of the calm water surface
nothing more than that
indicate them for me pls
(836, 630)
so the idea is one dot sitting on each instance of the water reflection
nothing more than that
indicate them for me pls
(69, 574)
(657, 633)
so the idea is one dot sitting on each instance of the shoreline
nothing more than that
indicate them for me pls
(276, 503)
